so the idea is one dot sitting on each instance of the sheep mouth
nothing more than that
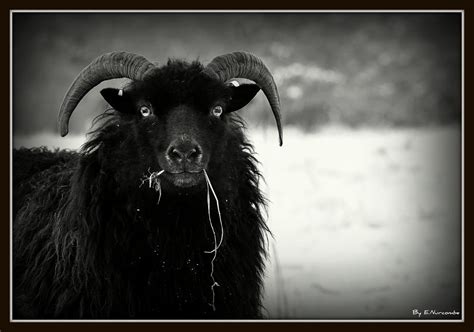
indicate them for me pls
(184, 179)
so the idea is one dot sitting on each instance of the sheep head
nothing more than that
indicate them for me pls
(177, 115)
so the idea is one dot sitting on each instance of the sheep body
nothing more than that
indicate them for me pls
(90, 240)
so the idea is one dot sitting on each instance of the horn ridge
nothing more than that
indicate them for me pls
(105, 67)
(249, 66)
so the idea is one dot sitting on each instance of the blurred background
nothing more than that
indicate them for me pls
(365, 194)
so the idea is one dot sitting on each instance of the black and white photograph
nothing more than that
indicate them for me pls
(252, 165)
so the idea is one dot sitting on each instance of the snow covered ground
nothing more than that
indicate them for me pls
(366, 223)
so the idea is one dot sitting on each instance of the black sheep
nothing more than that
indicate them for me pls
(129, 226)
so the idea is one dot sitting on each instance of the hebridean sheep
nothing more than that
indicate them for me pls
(159, 215)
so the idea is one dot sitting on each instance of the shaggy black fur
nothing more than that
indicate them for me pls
(90, 242)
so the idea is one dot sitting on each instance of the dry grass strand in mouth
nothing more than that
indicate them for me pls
(216, 245)
(153, 182)
(209, 186)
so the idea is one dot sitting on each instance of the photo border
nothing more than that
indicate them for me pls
(363, 324)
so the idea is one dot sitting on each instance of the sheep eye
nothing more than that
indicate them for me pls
(217, 111)
(145, 111)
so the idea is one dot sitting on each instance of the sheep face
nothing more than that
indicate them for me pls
(181, 121)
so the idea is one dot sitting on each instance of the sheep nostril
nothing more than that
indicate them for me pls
(193, 154)
(184, 152)
(175, 155)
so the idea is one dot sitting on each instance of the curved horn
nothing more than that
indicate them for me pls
(105, 67)
(249, 66)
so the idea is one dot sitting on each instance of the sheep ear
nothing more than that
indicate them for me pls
(242, 94)
(118, 99)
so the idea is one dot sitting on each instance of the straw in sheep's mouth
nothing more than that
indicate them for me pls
(154, 182)
(216, 245)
